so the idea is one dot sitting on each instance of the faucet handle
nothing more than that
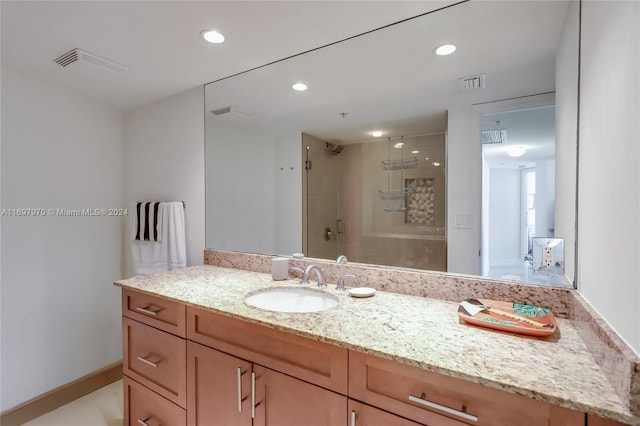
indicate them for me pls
(300, 270)
(341, 281)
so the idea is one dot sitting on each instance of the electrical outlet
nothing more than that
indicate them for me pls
(547, 256)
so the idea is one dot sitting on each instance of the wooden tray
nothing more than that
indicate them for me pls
(530, 314)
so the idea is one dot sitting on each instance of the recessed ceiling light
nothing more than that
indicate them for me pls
(300, 87)
(426, 158)
(415, 151)
(212, 36)
(446, 49)
(376, 133)
(435, 163)
(516, 151)
(399, 145)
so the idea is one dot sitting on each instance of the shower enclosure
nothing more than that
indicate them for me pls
(381, 202)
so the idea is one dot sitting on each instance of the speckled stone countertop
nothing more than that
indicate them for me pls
(417, 331)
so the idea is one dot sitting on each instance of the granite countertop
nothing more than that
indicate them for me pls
(417, 331)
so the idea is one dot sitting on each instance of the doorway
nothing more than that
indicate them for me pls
(518, 157)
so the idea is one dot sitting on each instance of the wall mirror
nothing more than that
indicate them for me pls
(300, 171)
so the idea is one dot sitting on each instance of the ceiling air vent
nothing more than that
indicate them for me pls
(474, 82)
(494, 136)
(76, 55)
(232, 111)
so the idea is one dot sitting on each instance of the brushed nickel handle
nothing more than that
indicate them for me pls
(353, 418)
(151, 363)
(239, 390)
(253, 395)
(460, 414)
(148, 311)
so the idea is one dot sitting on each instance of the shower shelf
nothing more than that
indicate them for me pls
(396, 194)
(406, 163)
(395, 209)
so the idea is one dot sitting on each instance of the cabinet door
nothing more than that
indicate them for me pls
(219, 387)
(281, 400)
(365, 415)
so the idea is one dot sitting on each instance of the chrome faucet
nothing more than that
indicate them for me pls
(322, 282)
(340, 284)
(342, 259)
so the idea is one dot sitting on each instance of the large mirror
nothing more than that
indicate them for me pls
(293, 171)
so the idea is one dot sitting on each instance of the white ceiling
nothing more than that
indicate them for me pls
(160, 44)
(388, 79)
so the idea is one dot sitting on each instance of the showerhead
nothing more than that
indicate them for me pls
(334, 149)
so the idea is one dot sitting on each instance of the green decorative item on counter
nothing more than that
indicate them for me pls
(530, 311)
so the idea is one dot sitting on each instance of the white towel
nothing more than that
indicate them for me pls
(169, 252)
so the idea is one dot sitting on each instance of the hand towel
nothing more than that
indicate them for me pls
(169, 251)
(147, 222)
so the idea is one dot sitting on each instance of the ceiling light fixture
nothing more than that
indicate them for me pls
(445, 49)
(516, 151)
(376, 133)
(399, 145)
(300, 87)
(435, 164)
(415, 151)
(212, 36)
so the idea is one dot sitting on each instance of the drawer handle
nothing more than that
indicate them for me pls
(443, 409)
(144, 422)
(239, 390)
(253, 395)
(353, 418)
(148, 362)
(147, 311)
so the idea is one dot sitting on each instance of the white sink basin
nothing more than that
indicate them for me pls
(291, 299)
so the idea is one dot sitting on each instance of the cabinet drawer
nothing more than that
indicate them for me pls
(160, 313)
(307, 359)
(156, 359)
(142, 406)
(434, 399)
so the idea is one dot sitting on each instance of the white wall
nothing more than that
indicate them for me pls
(464, 190)
(60, 311)
(504, 217)
(609, 181)
(265, 216)
(164, 160)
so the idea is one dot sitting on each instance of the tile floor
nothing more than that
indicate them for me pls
(103, 407)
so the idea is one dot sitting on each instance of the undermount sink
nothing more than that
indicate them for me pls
(291, 299)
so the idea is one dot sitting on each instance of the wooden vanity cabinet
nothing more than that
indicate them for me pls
(226, 389)
(433, 399)
(190, 366)
(154, 360)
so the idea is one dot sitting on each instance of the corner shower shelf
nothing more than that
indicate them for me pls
(396, 194)
(405, 163)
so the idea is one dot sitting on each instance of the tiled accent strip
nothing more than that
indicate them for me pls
(618, 362)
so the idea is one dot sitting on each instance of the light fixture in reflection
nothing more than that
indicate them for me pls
(300, 87)
(376, 133)
(415, 151)
(212, 36)
(399, 145)
(435, 164)
(516, 151)
(446, 49)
